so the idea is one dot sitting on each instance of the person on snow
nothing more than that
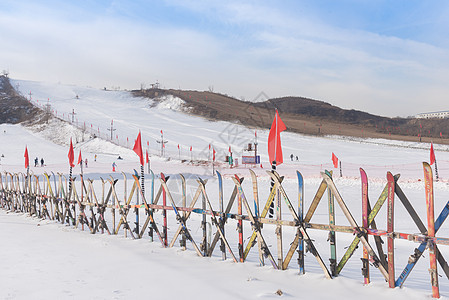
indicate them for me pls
(85, 162)
(36, 162)
(42, 162)
(114, 165)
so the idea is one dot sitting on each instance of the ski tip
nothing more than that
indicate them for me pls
(363, 174)
(299, 175)
(218, 174)
(390, 176)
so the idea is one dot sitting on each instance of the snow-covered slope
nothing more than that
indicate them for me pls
(61, 262)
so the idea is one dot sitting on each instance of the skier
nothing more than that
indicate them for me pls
(114, 165)
(296, 157)
(85, 162)
(95, 157)
(36, 162)
(291, 156)
(42, 162)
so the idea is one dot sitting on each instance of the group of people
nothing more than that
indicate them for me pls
(85, 161)
(36, 162)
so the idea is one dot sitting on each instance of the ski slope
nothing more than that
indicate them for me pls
(62, 262)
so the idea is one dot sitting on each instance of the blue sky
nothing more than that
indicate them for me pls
(385, 57)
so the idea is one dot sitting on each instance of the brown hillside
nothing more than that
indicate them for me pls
(307, 116)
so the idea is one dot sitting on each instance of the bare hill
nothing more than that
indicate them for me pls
(307, 116)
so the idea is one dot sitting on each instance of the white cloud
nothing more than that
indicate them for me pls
(258, 48)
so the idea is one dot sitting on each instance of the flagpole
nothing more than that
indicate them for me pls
(273, 163)
(436, 170)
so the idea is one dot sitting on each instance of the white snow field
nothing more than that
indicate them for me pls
(43, 259)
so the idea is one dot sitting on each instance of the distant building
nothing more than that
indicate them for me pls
(433, 115)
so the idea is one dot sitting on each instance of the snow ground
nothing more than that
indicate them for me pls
(62, 262)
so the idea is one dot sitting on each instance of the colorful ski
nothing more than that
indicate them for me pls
(178, 216)
(353, 223)
(304, 233)
(332, 237)
(413, 259)
(390, 229)
(214, 219)
(301, 218)
(428, 179)
(256, 213)
(373, 213)
(365, 259)
(254, 223)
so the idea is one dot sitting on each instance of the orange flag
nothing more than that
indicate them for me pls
(335, 160)
(432, 154)
(27, 159)
(80, 158)
(274, 140)
(138, 148)
(71, 155)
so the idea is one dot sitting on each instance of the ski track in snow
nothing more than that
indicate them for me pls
(61, 262)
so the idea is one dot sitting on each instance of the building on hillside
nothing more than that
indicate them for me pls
(433, 115)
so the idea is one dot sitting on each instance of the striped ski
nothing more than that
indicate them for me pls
(428, 179)
(365, 259)
(390, 229)
(301, 218)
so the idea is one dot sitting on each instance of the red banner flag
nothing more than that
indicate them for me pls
(178, 146)
(190, 148)
(432, 154)
(230, 149)
(161, 132)
(335, 160)
(213, 156)
(71, 155)
(80, 158)
(27, 159)
(274, 140)
(209, 146)
(138, 148)
(148, 159)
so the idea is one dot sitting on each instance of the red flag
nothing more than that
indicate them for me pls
(441, 135)
(80, 158)
(335, 160)
(27, 159)
(178, 146)
(432, 154)
(213, 156)
(255, 133)
(161, 132)
(148, 159)
(209, 146)
(274, 140)
(71, 155)
(138, 148)
(190, 148)
(230, 149)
